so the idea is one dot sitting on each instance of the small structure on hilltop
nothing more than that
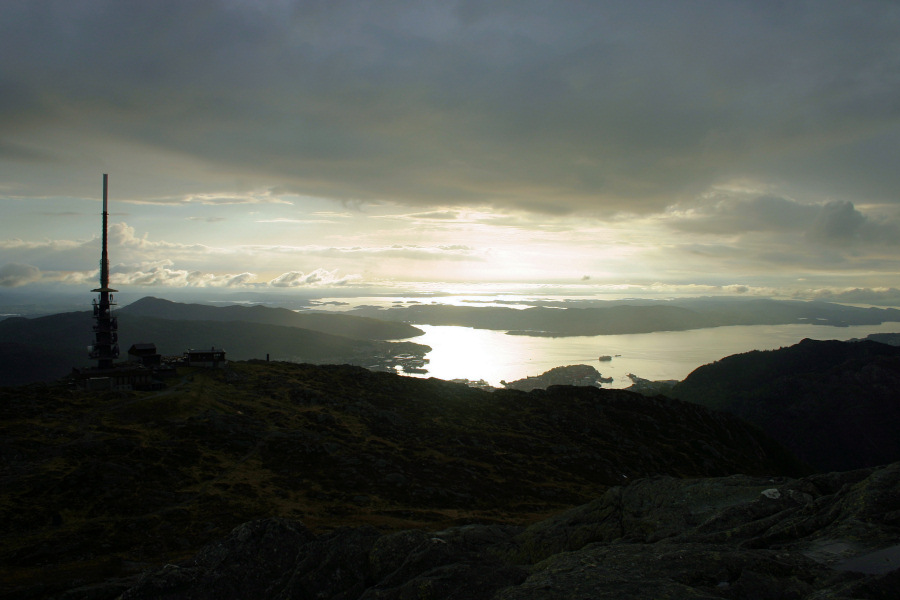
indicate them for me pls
(144, 354)
(214, 357)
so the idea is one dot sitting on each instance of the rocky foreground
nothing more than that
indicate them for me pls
(277, 480)
(827, 536)
(104, 486)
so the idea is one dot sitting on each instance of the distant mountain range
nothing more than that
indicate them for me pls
(633, 316)
(351, 326)
(836, 405)
(47, 348)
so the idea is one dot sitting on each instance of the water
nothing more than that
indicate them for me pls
(466, 353)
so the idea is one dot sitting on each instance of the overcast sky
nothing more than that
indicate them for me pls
(684, 146)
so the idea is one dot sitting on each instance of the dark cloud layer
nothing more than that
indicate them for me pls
(878, 297)
(551, 107)
(835, 223)
(15, 274)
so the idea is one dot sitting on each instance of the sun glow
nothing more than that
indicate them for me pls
(469, 353)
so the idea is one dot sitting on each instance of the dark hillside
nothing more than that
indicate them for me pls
(634, 316)
(43, 348)
(835, 404)
(543, 321)
(46, 348)
(103, 485)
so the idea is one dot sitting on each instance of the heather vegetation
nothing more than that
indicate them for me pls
(101, 485)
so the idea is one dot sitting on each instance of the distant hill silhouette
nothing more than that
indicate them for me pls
(582, 375)
(892, 339)
(835, 404)
(634, 316)
(356, 327)
(46, 348)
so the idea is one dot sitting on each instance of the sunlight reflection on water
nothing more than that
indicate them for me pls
(466, 353)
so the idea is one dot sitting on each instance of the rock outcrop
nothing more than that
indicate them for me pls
(832, 536)
(582, 375)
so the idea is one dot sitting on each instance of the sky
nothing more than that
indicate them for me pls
(633, 147)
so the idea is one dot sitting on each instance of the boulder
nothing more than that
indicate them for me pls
(829, 536)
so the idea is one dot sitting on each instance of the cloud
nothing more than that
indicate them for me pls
(838, 222)
(123, 237)
(875, 296)
(331, 214)
(126, 246)
(19, 153)
(14, 274)
(435, 215)
(183, 278)
(296, 221)
(835, 223)
(164, 273)
(724, 213)
(220, 199)
(318, 277)
(207, 219)
(585, 107)
(51, 255)
(54, 245)
(212, 199)
(477, 139)
(700, 289)
(452, 252)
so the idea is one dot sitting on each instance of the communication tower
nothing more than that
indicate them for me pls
(106, 328)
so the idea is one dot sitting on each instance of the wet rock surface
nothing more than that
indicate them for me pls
(830, 536)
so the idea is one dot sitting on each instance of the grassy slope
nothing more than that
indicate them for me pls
(97, 485)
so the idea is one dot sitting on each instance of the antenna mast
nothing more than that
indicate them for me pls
(106, 328)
